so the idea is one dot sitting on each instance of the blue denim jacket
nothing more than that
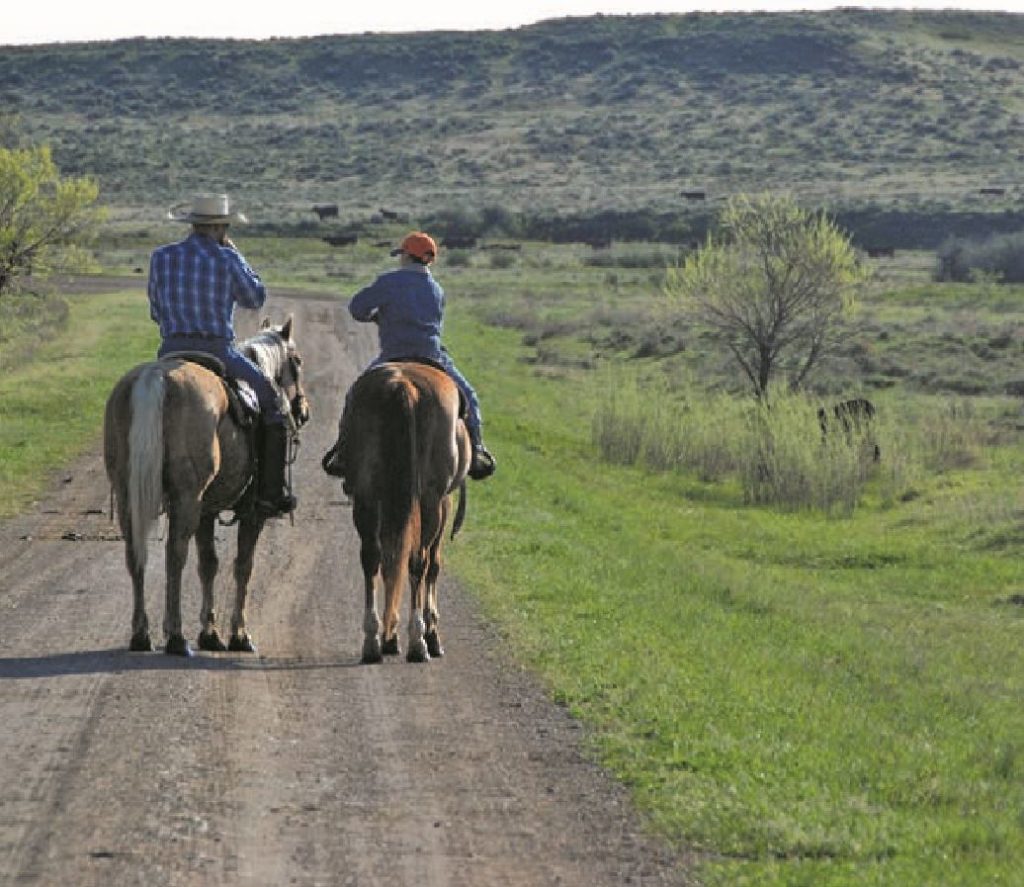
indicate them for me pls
(408, 306)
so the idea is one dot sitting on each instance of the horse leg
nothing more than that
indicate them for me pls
(366, 522)
(183, 520)
(431, 616)
(209, 637)
(140, 641)
(249, 529)
(417, 645)
(433, 570)
(393, 577)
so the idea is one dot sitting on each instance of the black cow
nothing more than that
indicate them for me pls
(326, 210)
(341, 239)
(856, 416)
(454, 241)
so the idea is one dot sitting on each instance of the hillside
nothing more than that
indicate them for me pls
(877, 115)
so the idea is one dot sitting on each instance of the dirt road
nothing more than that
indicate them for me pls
(297, 766)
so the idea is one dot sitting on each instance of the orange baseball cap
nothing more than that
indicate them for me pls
(419, 245)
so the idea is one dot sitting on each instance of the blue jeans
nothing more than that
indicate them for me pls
(238, 366)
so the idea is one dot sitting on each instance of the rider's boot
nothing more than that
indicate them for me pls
(273, 497)
(483, 463)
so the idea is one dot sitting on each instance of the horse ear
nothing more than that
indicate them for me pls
(266, 324)
(286, 330)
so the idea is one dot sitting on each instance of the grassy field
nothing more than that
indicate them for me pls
(810, 701)
(807, 699)
(51, 404)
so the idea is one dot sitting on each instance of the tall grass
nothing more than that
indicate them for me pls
(779, 455)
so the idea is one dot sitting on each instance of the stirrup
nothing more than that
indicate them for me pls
(482, 464)
(269, 510)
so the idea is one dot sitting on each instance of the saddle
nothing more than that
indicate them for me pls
(242, 403)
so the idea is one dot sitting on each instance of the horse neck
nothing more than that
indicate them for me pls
(266, 352)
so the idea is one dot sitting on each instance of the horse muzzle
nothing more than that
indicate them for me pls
(300, 410)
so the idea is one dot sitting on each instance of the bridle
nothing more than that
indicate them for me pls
(298, 404)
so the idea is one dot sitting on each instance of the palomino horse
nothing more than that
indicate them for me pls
(171, 441)
(407, 451)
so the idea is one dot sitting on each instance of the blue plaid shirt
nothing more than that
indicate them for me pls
(194, 286)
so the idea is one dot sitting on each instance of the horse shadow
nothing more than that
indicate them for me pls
(119, 661)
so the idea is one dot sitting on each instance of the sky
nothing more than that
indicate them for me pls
(51, 21)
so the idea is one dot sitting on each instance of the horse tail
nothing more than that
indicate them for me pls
(145, 456)
(460, 512)
(400, 471)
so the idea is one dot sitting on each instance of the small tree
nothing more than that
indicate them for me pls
(43, 218)
(772, 288)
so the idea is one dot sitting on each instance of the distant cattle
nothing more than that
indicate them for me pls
(341, 239)
(454, 241)
(694, 195)
(851, 417)
(390, 215)
(993, 191)
(881, 252)
(515, 247)
(326, 210)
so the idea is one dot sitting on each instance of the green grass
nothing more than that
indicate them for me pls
(51, 409)
(809, 701)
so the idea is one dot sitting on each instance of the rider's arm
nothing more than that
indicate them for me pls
(367, 302)
(152, 289)
(247, 288)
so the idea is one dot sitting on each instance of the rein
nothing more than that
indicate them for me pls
(293, 454)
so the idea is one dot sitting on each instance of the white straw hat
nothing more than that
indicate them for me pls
(206, 209)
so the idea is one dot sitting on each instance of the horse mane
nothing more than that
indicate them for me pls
(268, 350)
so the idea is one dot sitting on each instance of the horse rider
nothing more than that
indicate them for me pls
(407, 304)
(193, 288)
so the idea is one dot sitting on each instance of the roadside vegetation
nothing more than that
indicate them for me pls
(816, 687)
(54, 381)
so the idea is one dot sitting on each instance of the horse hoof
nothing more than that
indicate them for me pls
(391, 647)
(242, 644)
(178, 646)
(211, 642)
(434, 647)
(418, 653)
(140, 643)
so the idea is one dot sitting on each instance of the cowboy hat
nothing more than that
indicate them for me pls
(206, 209)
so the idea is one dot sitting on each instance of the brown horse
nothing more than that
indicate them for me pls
(172, 442)
(407, 452)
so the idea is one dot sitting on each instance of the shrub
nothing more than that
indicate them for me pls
(776, 454)
(999, 257)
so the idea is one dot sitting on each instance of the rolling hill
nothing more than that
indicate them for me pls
(908, 125)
